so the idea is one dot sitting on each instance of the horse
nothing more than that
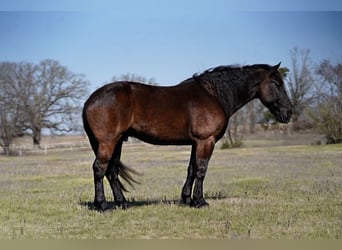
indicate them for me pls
(195, 112)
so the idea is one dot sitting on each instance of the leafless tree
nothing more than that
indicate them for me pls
(331, 79)
(48, 96)
(10, 112)
(135, 78)
(299, 81)
(327, 113)
(236, 129)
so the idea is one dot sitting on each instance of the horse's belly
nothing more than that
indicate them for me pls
(161, 131)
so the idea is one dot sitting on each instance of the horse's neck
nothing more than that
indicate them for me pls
(234, 94)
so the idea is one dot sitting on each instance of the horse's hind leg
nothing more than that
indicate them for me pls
(103, 156)
(112, 176)
(187, 188)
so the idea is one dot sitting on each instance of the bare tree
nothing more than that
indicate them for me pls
(328, 110)
(10, 112)
(236, 131)
(300, 82)
(331, 79)
(48, 95)
(251, 116)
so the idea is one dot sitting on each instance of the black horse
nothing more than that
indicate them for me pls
(194, 112)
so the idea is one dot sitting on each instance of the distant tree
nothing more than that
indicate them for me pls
(135, 78)
(300, 81)
(10, 112)
(251, 116)
(327, 113)
(331, 79)
(235, 132)
(48, 96)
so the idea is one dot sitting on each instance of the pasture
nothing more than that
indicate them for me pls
(268, 190)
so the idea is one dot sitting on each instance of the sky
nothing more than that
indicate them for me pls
(166, 40)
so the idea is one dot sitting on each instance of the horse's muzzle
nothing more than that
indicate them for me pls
(284, 117)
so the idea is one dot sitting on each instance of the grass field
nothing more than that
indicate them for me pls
(263, 192)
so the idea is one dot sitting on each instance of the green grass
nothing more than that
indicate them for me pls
(279, 192)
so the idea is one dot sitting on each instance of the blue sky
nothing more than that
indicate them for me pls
(168, 41)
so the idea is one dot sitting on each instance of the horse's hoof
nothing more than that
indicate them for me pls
(186, 201)
(199, 203)
(101, 206)
(123, 204)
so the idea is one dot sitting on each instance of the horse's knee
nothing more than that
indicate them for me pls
(202, 166)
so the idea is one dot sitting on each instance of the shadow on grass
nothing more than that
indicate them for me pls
(131, 203)
(140, 203)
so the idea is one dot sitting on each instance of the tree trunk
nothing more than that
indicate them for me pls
(36, 136)
(6, 142)
(251, 111)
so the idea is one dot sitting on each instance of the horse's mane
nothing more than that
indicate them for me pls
(228, 75)
(227, 83)
(232, 75)
(216, 69)
(228, 68)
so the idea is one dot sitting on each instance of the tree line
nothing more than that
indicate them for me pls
(48, 95)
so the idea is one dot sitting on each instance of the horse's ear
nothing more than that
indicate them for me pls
(274, 69)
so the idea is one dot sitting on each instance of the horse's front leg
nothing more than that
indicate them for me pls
(203, 153)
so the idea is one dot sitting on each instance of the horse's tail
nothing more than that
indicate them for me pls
(125, 173)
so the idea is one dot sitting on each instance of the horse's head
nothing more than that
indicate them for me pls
(272, 94)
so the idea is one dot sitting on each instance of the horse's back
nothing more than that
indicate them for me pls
(161, 114)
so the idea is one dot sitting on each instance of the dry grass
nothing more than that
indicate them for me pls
(262, 192)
